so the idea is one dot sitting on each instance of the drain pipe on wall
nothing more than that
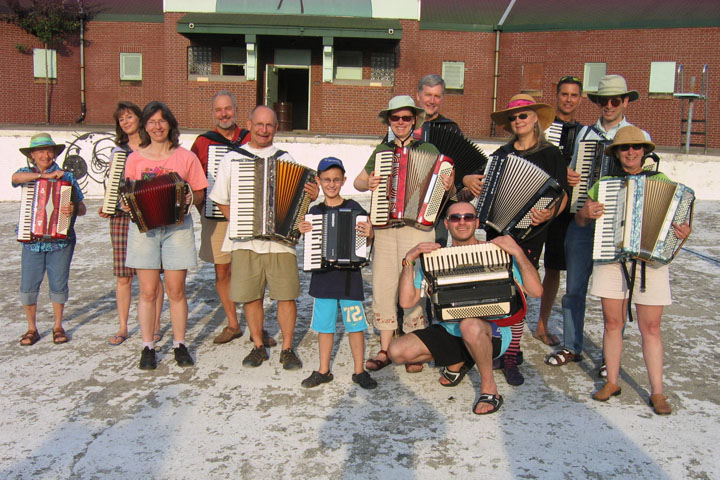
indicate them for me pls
(498, 29)
(83, 108)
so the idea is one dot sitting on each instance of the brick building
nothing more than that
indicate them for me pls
(331, 65)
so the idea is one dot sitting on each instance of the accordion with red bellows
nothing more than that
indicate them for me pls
(156, 202)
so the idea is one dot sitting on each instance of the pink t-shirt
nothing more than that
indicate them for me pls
(182, 161)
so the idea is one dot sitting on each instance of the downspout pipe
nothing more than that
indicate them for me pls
(83, 107)
(498, 29)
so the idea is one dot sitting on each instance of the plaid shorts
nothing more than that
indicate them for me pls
(118, 236)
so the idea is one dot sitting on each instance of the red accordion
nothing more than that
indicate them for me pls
(156, 202)
(40, 216)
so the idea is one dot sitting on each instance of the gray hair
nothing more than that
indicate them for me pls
(224, 93)
(431, 80)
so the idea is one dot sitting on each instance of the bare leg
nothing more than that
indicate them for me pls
(477, 335)
(614, 316)
(287, 314)
(325, 344)
(649, 317)
(58, 315)
(175, 288)
(158, 306)
(122, 298)
(222, 284)
(254, 316)
(357, 347)
(407, 349)
(148, 280)
(551, 283)
(30, 311)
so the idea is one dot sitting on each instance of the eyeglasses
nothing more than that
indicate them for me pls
(522, 116)
(157, 123)
(456, 217)
(568, 79)
(616, 101)
(328, 181)
(636, 147)
(404, 118)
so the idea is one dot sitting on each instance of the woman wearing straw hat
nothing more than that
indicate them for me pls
(629, 146)
(526, 120)
(391, 244)
(51, 255)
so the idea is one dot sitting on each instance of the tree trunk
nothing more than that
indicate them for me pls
(47, 86)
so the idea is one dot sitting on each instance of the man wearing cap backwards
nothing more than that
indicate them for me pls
(256, 263)
(51, 255)
(391, 244)
(613, 98)
(224, 110)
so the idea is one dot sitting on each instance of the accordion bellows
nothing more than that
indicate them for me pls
(40, 217)
(156, 202)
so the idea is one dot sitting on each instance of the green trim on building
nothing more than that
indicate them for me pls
(292, 25)
(456, 27)
(119, 17)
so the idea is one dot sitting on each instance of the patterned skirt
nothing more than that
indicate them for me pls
(118, 236)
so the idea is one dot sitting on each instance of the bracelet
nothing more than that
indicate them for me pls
(405, 262)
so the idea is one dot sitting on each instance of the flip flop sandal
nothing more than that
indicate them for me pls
(157, 336)
(374, 365)
(562, 357)
(453, 378)
(31, 337)
(116, 340)
(495, 400)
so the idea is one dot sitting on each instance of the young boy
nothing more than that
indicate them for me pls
(332, 287)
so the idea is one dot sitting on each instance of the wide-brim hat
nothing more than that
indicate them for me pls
(630, 135)
(399, 102)
(523, 101)
(42, 140)
(613, 86)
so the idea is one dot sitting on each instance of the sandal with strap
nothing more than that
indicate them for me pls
(453, 378)
(495, 400)
(31, 337)
(562, 357)
(373, 364)
(59, 336)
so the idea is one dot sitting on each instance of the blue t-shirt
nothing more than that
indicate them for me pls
(77, 197)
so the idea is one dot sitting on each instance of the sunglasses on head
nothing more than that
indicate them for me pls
(404, 118)
(522, 116)
(568, 79)
(625, 148)
(456, 217)
(616, 101)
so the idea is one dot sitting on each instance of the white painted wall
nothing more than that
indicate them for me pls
(407, 9)
(189, 6)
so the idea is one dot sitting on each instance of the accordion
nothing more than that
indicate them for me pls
(639, 213)
(467, 157)
(267, 199)
(334, 241)
(156, 202)
(592, 164)
(215, 154)
(470, 281)
(114, 181)
(411, 191)
(40, 217)
(562, 135)
(513, 187)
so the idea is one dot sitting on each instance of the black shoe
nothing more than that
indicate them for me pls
(513, 376)
(289, 360)
(182, 356)
(364, 380)
(256, 357)
(147, 359)
(316, 378)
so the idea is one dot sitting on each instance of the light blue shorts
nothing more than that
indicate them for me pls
(171, 248)
(325, 315)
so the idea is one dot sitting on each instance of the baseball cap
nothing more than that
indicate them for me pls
(329, 162)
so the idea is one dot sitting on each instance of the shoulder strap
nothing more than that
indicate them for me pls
(216, 137)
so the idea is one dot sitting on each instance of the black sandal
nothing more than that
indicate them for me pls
(453, 378)
(495, 400)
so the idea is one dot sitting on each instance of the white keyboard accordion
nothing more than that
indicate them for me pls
(334, 241)
(514, 186)
(40, 217)
(116, 176)
(267, 199)
(215, 154)
(592, 164)
(639, 213)
(411, 191)
(470, 281)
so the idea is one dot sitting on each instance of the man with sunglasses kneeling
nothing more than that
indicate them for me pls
(455, 345)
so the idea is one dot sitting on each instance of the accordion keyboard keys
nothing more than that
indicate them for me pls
(215, 155)
(313, 243)
(242, 195)
(553, 133)
(380, 206)
(112, 193)
(609, 194)
(26, 206)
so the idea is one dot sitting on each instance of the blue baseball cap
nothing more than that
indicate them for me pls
(330, 162)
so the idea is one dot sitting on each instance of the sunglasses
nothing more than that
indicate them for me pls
(456, 217)
(568, 78)
(404, 118)
(625, 148)
(603, 101)
(512, 118)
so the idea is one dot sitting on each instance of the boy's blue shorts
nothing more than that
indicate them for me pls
(325, 311)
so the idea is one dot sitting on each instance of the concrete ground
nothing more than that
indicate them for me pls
(85, 410)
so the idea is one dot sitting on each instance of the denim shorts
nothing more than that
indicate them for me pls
(34, 265)
(325, 310)
(171, 248)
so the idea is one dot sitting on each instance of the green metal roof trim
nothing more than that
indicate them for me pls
(548, 15)
(119, 17)
(296, 25)
(340, 8)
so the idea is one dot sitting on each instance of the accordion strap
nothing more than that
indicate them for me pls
(630, 281)
(519, 315)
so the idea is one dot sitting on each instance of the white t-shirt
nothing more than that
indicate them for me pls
(221, 195)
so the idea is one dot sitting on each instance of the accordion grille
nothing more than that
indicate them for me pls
(489, 310)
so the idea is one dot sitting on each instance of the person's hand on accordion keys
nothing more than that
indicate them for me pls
(682, 231)
(312, 190)
(374, 181)
(590, 211)
(573, 177)
(365, 229)
(304, 226)
(474, 183)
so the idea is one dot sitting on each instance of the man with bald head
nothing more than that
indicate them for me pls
(257, 263)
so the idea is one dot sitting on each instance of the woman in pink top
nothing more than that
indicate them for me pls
(173, 247)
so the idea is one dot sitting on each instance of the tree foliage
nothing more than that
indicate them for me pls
(50, 21)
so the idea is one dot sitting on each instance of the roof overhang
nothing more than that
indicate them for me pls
(289, 25)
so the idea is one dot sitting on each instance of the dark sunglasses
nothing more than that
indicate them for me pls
(568, 79)
(404, 118)
(625, 148)
(456, 217)
(603, 101)
(512, 118)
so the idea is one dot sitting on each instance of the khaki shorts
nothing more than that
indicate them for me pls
(251, 272)
(211, 240)
(609, 282)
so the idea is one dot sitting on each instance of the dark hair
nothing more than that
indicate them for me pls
(151, 109)
(569, 79)
(121, 137)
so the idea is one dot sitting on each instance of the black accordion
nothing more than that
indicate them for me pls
(592, 164)
(267, 199)
(513, 187)
(467, 156)
(334, 241)
(470, 281)
(562, 135)
(156, 202)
